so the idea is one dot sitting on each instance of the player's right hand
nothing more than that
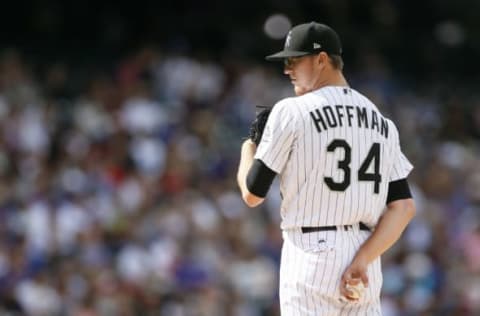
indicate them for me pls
(355, 273)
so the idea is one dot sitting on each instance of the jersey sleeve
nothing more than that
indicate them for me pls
(278, 136)
(401, 164)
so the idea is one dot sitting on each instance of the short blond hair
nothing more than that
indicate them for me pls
(336, 61)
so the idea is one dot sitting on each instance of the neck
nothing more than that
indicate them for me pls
(335, 78)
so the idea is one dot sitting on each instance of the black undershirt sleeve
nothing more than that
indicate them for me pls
(398, 190)
(259, 178)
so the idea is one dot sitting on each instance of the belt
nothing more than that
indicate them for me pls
(361, 225)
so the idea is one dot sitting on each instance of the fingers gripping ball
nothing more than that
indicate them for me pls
(356, 291)
(258, 125)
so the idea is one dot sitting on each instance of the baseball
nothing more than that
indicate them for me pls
(356, 290)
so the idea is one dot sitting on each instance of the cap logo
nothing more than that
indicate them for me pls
(287, 41)
(316, 45)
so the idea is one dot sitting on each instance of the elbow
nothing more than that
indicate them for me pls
(407, 208)
(251, 199)
(410, 208)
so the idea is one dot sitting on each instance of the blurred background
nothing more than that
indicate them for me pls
(120, 130)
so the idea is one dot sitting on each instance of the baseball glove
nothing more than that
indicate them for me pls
(258, 125)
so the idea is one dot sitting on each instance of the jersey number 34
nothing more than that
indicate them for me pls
(373, 156)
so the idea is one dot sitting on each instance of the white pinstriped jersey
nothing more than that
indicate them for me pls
(335, 154)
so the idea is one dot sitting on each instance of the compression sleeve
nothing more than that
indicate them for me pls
(398, 190)
(259, 178)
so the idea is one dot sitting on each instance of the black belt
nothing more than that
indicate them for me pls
(362, 226)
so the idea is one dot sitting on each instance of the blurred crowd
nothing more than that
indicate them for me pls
(118, 193)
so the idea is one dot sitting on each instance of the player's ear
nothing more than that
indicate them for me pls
(321, 59)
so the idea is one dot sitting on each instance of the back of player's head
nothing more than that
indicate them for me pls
(309, 39)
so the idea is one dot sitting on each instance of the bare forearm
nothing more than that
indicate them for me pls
(246, 160)
(388, 230)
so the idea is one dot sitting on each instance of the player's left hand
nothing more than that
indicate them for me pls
(258, 125)
(355, 273)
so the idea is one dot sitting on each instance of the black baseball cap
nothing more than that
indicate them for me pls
(307, 39)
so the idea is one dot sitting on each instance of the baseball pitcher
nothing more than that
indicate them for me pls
(343, 181)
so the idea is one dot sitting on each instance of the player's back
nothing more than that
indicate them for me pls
(340, 160)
